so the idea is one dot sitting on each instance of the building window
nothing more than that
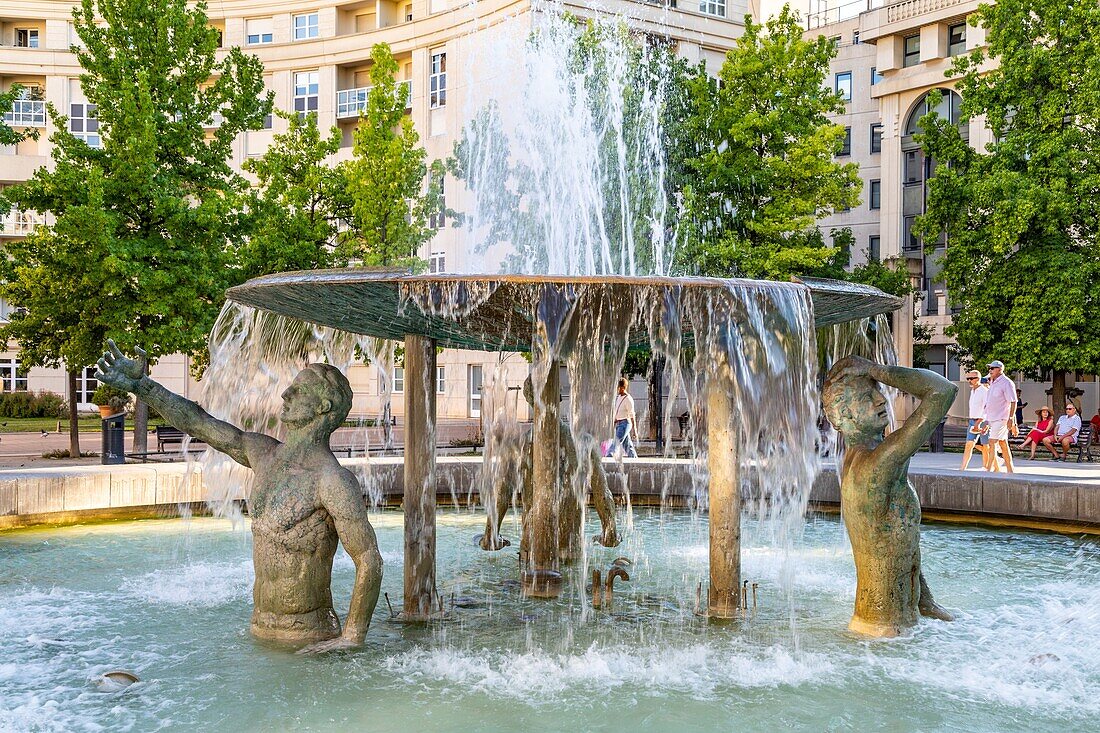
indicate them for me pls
(259, 31)
(398, 380)
(440, 380)
(874, 248)
(306, 92)
(84, 125)
(437, 81)
(846, 146)
(909, 238)
(713, 7)
(408, 13)
(305, 26)
(875, 76)
(86, 384)
(12, 376)
(876, 137)
(912, 51)
(956, 39)
(843, 85)
(26, 37)
(876, 195)
(474, 404)
(437, 262)
(855, 37)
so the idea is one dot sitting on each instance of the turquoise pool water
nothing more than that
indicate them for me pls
(170, 600)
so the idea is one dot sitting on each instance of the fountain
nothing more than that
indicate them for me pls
(737, 329)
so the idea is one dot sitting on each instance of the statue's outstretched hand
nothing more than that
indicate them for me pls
(119, 370)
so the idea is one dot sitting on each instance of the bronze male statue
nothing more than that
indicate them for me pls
(880, 508)
(517, 469)
(302, 502)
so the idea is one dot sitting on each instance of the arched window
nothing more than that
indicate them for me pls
(948, 108)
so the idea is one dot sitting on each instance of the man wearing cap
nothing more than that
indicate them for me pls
(978, 429)
(1000, 411)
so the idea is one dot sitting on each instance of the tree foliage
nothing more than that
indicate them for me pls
(8, 136)
(299, 201)
(1022, 216)
(764, 170)
(143, 228)
(392, 194)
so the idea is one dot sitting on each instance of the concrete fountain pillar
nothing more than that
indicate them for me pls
(541, 574)
(421, 598)
(724, 491)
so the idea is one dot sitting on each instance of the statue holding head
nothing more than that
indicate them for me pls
(880, 508)
(582, 469)
(302, 502)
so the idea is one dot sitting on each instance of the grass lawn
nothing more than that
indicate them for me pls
(88, 424)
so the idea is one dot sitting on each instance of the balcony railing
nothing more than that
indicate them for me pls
(16, 223)
(350, 102)
(26, 113)
(912, 8)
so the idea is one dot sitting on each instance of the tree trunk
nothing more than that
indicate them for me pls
(74, 426)
(656, 407)
(1058, 392)
(141, 423)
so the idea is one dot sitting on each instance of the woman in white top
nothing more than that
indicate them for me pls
(1065, 434)
(625, 422)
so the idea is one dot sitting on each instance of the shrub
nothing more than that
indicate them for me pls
(117, 399)
(31, 404)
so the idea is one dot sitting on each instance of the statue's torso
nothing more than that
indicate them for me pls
(294, 541)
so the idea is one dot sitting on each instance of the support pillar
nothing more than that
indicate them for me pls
(542, 576)
(421, 598)
(724, 491)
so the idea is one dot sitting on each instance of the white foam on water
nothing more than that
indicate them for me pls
(540, 676)
(196, 584)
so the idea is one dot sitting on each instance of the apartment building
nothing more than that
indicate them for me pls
(316, 55)
(889, 56)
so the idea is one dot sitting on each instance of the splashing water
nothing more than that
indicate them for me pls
(562, 154)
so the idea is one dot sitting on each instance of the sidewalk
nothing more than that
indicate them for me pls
(947, 464)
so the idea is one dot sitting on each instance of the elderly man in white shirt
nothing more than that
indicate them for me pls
(977, 431)
(1065, 434)
(1000, 411)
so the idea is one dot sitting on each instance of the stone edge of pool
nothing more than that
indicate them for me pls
(71, 495)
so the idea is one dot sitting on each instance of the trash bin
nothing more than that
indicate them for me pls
(114, 440)
(935, 443)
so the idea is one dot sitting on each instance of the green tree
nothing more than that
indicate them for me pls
(298, 202)
(1022, 216)
(765, 168)
(151, 217)
(392, 195)
(8, 136)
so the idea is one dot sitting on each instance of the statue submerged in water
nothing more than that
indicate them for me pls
(302, 502)
(586, 472)
(880, 508)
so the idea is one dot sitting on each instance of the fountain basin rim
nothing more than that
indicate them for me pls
(382, 302)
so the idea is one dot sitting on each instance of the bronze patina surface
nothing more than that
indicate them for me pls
(880, 507)
(497, 312)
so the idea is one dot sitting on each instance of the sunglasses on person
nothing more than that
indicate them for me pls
(1071, 408)
(972, 379)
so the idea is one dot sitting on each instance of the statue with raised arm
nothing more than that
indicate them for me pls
(880, 508)
(302, 502)
(581, 466)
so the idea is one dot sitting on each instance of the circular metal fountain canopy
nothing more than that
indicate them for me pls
(497, 312)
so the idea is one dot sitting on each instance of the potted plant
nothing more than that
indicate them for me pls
(110, 400)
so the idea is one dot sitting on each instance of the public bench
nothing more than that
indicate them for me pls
(168, 435)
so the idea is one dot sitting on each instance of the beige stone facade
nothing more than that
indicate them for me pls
(316, 55)
(909, 45)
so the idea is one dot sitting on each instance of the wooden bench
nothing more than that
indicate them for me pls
(168, 435)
